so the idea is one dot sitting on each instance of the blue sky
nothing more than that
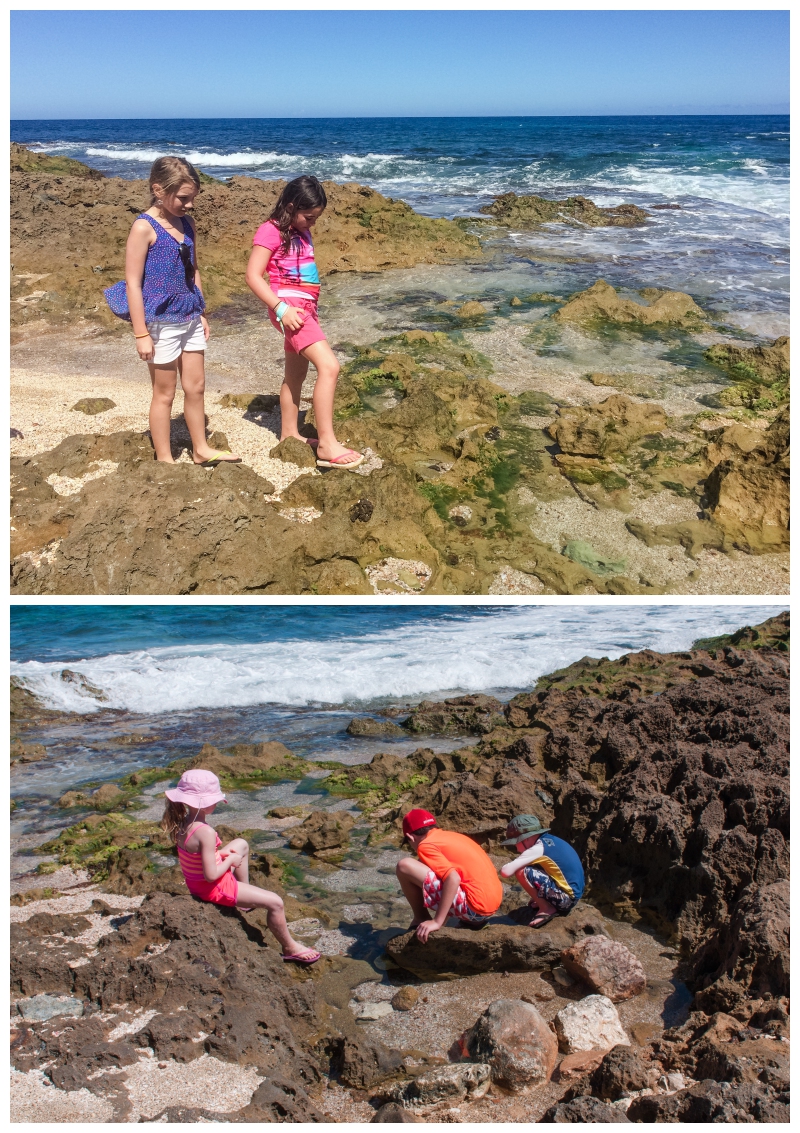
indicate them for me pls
(95, 64)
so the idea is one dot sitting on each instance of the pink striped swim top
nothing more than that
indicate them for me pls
(293, 272)
(192, 865)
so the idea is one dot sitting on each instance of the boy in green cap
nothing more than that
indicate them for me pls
(547, 868)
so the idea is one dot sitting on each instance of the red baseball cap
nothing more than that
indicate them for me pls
(417, 820)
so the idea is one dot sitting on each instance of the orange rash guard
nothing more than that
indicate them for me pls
(444, 850)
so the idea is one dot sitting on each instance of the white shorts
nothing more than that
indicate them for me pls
(171, 339)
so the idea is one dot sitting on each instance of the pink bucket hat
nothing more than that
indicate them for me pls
(197, 789)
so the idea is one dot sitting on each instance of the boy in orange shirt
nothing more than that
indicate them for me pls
(453, 877)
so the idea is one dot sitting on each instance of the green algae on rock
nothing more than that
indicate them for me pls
(24, 160)
(760, 374)
(532, 211)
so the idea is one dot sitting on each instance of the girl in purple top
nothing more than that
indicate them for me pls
(166, 307)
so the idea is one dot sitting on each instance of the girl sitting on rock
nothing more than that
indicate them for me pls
(162, 297)
(283, 248)
(220, 875)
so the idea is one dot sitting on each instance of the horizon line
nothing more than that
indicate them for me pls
(382, 117)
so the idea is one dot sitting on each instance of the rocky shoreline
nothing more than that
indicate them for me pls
(498, 464)
(661, 997)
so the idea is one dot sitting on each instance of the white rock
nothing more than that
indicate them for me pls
(367, 1012)
(590, 1024)
(445, 1083)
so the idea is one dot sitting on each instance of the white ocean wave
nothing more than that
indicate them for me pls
(510, 649)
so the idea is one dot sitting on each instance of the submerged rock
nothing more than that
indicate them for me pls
(607, 966)
(515, 1042)
(590, 1024)
(369, 726)
(532, 211)
(601, 301)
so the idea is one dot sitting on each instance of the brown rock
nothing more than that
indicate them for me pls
(574, 1066)
(513, 1038)
(584, 1111)
(395, 1113)
(294, 452)
(245, 760)
(606, 428)
(94, 405)
(496, 948)
(532, 211)
(768, 364)
(368, 726)
(322, 830)
(405, 999)
(475, 713)
(621, 1072)
(361, 1062)
(600, 301)
(26, 753)
(107, 796)
(471, 310)
(607, 966)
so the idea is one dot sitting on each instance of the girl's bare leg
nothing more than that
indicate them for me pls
(295, 370)
(411, 874)
(193, 381)
(164, 379)
(327, 366)
(256, 898)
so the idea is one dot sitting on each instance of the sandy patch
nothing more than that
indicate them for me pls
(74, 903)
(35, 1099)
(222, 1087)
(62, 878)
(511, 581)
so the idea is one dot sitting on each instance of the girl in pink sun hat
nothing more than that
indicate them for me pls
(217, 873)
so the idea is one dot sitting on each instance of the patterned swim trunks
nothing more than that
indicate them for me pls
(461, 908)
(547, 889)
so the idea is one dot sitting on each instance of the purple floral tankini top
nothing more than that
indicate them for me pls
(168, 298)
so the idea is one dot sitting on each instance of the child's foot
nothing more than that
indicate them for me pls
(216, 456)
(341, 457)
(300, 954)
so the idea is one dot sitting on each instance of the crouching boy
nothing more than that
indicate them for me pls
(547, 868)
(453, 877)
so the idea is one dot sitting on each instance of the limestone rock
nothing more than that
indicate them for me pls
(607, 966)
(589, 1024)
(250, 402)
(369, 726)
(475, 713)
(26, 753)
(584, 1111)
(294, 452)
(405, 999)
(362, 1062)
(369, 1012)
(106, 796)
(471, 310)
(515, 1042)
(496, 948)
(395, 1113)
(532, 211)
(322, 830)
(601, 301)
(445, 1083)
(606, 428)
(748, 492)
(42, 1007)
(93, 405)
(622, 1072)
(768, 364)
(245, 760)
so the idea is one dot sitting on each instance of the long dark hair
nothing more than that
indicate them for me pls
(301, 195)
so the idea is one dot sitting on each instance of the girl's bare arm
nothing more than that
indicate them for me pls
(256, 269)
(212, 869)
(197, 280)
(140, 238)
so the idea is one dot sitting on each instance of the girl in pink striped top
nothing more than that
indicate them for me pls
(218, 873)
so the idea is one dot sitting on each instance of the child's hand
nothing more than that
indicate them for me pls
(145, 348)
(293, 318)
(206, 330)
(425, 929)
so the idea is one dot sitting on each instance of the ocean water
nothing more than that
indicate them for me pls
(727, 243)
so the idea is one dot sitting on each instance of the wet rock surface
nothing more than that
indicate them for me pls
(531, 211)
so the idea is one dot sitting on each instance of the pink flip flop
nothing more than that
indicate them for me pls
(302, 957)
(340, 462)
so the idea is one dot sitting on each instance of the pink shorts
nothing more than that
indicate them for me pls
(224, 891)
(310, 332)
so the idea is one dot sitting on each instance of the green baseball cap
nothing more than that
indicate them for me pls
(523, 826)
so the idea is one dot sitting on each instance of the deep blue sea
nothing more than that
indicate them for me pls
(728, 242)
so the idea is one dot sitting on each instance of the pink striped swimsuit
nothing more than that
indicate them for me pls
(223, 891)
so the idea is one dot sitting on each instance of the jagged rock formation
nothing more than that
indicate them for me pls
(760, 374)
(601, 301)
